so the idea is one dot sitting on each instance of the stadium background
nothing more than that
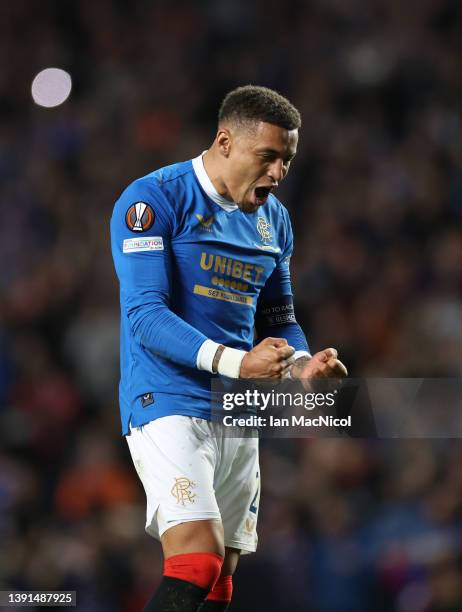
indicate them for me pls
(375, 195)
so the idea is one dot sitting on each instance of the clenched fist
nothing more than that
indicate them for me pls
(271, 358)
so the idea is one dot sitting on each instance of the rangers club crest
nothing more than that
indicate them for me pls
(263, 228)
(182, 492)
(139, 217)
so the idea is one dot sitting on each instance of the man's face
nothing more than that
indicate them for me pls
(258, 158)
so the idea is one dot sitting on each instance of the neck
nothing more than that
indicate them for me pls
(212, 164)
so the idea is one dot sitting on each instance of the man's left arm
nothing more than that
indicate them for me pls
(275, 316)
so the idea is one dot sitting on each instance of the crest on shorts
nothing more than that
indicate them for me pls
(263, 228)
(139, 217)
(182, 490)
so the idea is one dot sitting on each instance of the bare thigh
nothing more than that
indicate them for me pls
(194, 536)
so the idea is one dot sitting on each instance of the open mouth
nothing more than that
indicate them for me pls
(261, 194)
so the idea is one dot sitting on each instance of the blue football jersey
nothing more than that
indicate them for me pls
(192, 267)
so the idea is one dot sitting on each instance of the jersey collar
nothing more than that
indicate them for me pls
(207, 185)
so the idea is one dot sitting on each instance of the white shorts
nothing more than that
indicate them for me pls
(192, 471)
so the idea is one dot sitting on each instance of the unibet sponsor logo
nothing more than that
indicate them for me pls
(226, 266)
(230, 274)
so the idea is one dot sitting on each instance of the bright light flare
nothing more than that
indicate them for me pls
(51, 87)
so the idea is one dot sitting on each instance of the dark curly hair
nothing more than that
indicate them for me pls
(252, 103)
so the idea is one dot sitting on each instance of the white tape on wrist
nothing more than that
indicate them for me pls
(230, 362)
(299, 354)
(294, 358)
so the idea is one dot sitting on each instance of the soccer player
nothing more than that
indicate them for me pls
(202, 251)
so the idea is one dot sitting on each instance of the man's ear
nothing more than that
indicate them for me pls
(224, 141)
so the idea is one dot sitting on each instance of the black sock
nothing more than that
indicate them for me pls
(211, 605)
(175, 595)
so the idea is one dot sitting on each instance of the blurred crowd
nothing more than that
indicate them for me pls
(375, 196)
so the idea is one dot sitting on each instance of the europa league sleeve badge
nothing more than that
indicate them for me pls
(139, 217)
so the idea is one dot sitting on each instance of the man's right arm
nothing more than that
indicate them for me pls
(142, 258)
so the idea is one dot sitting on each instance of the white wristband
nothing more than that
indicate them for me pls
(230, 362)
(206, 354)
(296, 356)
(299, 354)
